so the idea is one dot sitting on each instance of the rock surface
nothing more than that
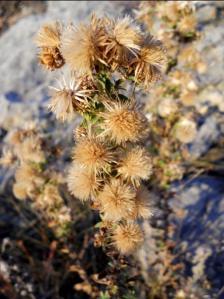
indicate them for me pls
(200, 234)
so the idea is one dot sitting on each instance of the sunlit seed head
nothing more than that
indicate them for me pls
(93, 154)
(82, 183)
(68, 98)
(150, 63)
(124, 122)
(185, 130)
(117, 200)
(136, 164)
(122, 39)
(128, 238)
(49, 35)
(80, 46)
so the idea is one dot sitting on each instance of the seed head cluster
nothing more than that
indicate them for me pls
(110, 161)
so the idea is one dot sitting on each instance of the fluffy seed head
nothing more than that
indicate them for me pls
(167, 107)
(185, 130)
(122, 39)
(135, 165)
(149, 63)
(80, 46)
(49, 35)
(117, 200)
(124, 122)
(128, 237)
(69, 98)
(92, 154)
(82, 183)
(49, 40)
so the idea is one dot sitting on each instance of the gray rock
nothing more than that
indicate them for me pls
(200, 231)
(207, 134)
(206, 13)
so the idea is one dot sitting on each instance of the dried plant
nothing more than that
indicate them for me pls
(36, 178)
(110, 161)
(173, 103)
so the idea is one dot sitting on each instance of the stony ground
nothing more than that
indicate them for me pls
(24, 95)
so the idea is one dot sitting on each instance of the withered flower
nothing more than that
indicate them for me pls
(128, 237)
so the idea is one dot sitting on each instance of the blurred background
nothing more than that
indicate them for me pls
(34, 262)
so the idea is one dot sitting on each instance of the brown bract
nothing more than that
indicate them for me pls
(51, 58)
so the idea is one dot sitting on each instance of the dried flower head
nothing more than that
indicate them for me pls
(49, 35)
(124, 122)
(80, 46)
(82, 183)
(135, 165)
(69, 98)
(128, 238)
(49, 40)
(51, 58)
(122, 39)
(117, 200)
(149, 63)
(167, 107)
(185, 130)
(93, 154)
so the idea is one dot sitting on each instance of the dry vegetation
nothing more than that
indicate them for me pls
(126, 152)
